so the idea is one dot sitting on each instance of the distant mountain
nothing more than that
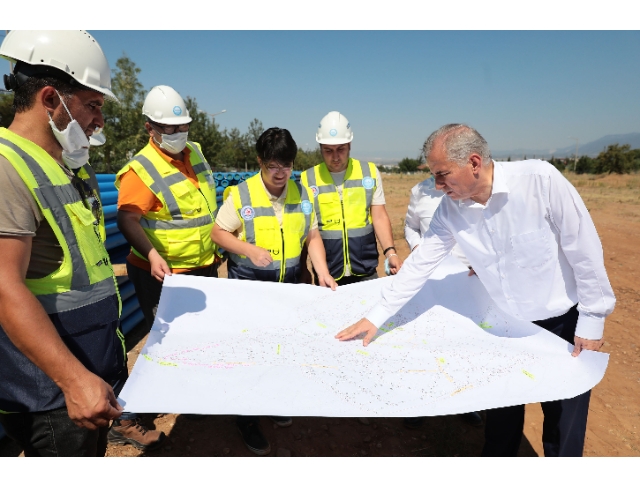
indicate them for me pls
(591, 149)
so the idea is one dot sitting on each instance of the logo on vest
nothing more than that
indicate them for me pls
(314, 190)
(307, 207)
(368, 182)
(247, 213)
(333, 132)
(177, 110)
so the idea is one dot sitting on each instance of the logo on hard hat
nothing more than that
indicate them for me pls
(333, 132)
(177, 110)
(314, 190)
(368, 182)
(307, 207)
(247, 213)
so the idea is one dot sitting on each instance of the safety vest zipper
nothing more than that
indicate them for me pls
(345, 239)
(283, 260)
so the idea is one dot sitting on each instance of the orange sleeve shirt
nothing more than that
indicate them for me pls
(136, 197)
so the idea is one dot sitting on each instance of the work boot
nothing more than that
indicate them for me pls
(253, 437)
(133, 432)
(472, 419)
(282, 421)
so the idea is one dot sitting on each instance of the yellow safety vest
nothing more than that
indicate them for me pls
(260, 227)
(81, 297)
(181, 230)
(345, 225)
(85, 275)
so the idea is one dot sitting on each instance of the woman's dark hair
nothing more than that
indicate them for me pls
(276, 144)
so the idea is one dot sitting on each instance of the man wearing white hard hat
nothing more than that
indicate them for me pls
(167, 202)
(61, 352)
(349, 205)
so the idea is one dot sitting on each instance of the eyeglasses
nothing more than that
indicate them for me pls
(276, 168)
(170, 129)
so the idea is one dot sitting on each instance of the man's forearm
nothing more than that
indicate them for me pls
(382, 226)
(129, 225)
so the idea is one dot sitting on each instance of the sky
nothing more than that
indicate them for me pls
(525, 89)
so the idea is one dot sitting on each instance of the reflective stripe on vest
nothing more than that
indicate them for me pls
(178, 231)
(251, 196)
(76, 283)
(347, 221)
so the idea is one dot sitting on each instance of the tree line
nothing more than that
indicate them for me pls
(229, 150)
(226, 150)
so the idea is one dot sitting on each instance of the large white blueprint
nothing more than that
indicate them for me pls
(221, 346)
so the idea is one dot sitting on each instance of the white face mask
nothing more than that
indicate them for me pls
(74, 142)
(174, 143)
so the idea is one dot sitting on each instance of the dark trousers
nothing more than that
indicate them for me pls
(565, 421)
(53, 434)
(148, 288)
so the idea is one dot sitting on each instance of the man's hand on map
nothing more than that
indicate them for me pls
(584, 344)
(260, 257)
(362, 326)
(327, 281)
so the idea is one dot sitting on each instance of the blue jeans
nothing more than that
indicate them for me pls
(53, 434)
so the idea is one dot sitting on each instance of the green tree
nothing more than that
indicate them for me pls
(204, 131)
(408, 165)
(124, 122)
(585, 165)
(307, 159)
(6, 109)
(616, 159)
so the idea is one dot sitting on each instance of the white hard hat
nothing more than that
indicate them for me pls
(74, 52)
(164, 105)
(334, 129)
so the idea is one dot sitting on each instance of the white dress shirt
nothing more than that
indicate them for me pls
(423, 203)
(533, 246)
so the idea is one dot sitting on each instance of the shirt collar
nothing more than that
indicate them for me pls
(499, 185)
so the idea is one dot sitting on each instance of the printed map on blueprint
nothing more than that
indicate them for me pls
(222, 346)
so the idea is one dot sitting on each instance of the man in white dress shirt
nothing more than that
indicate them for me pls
(529, 237)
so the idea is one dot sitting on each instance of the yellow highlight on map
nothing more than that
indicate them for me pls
(528, 374)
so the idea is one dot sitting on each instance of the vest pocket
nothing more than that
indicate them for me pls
(184, 246)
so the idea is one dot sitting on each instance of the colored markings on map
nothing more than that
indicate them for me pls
(245, 330)
(484, 325)
(362, 352)
(364, 301)
(147, 357)
(442, 360)
(461, 389)
(528, 374)
(278, 349)
(168, 364)
(321, 325)
(424, 341)
(397, 346)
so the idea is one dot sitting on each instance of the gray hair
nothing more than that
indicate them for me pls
(459, 142)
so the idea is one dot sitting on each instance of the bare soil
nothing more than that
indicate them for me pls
(614, 417)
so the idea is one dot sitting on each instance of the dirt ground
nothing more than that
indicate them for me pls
(614, 417)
